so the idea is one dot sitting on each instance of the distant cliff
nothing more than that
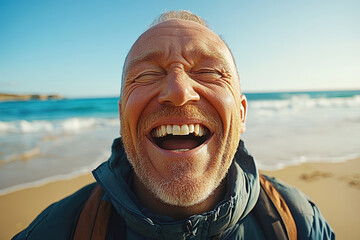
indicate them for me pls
(26, 97)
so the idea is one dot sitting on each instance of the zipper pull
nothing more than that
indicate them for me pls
(189, 230)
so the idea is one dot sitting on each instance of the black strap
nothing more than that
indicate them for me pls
(116, 227)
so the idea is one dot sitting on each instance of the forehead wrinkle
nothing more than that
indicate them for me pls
(188, 55)
(209, 54)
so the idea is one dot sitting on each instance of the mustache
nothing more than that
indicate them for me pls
(188, 111)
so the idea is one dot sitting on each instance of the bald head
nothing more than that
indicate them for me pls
(183, 19)
(180, 15)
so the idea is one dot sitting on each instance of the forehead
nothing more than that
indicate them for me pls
(178, 37)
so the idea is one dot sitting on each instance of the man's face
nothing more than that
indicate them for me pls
(181, 111)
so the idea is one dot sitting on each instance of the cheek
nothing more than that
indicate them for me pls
(226, 104)
(133, 103)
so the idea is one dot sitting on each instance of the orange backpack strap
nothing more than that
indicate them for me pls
(282, 224)
(94, 218)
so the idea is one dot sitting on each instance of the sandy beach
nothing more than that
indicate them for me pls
(335, 187)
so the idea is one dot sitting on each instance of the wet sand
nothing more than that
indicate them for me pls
(334, 187)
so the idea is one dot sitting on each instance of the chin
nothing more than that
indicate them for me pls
(185, 186)
(181, 188)
(184, 192)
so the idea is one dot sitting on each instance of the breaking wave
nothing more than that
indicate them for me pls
(304, 101)
(66, 125)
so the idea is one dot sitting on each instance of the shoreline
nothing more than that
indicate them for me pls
(334, 187)
(49, 180)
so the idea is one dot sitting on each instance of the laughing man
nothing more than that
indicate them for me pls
(180, 170)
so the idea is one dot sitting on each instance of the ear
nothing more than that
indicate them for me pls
(243, 111)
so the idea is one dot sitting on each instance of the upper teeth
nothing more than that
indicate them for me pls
(185, 129)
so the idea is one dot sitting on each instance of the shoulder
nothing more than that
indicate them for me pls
(309, 221)
(59, 219)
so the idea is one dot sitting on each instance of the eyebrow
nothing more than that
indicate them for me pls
(145, 57)
(206, 53)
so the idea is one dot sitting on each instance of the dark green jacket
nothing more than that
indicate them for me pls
(233, 217)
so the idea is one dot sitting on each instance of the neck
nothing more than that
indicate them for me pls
(149, 201)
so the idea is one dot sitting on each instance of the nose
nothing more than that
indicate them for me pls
(178, 90)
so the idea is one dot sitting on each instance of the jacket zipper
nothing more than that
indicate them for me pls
(189, 230)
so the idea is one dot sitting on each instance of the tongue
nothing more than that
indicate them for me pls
(174, 144)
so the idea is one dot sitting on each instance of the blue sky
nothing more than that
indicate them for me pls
(77, 48)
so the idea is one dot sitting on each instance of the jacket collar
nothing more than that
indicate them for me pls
(243, 190)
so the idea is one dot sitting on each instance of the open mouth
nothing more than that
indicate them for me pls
(180, 138)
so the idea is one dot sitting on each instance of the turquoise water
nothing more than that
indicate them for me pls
(45, 140)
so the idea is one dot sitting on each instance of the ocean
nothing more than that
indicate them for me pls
(42, 141)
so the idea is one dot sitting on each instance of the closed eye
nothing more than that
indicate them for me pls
(149, 76)
(206, 74)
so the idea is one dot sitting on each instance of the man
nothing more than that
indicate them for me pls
(180, 170)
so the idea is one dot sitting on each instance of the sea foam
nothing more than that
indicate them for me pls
(306, 102)
(46, 126)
